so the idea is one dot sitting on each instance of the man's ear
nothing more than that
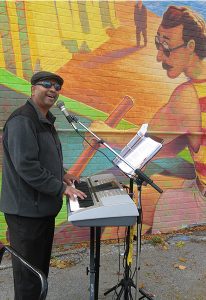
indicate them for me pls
(191, 46)
(32, 89)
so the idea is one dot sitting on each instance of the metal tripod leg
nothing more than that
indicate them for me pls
(126, 286)
(92, 264)
(138, 241)
(126, 283)
(95, 233)
(97, 261)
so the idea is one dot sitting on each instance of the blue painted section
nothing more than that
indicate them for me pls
(159, 7)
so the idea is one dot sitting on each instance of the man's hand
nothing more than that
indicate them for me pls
(70, 178)
(71, 192)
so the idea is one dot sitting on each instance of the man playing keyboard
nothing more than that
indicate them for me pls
(33, 182)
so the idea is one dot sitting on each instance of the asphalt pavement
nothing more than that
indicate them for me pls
(172, 267)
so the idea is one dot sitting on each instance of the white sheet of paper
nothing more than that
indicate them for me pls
(138, 151)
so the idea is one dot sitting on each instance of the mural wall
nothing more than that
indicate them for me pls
(124, 63)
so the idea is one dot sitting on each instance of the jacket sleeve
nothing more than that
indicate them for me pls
(23, 150)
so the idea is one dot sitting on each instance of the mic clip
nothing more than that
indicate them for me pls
(100, 142)
(72, 119)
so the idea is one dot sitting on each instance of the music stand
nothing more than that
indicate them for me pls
(145, 143)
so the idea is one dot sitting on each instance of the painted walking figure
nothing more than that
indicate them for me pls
(140, 19)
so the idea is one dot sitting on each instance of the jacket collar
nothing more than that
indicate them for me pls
(50, 118)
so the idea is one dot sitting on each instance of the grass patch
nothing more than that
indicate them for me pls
(157, 240)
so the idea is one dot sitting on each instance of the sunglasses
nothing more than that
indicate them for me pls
(164, 46)
(48, 84)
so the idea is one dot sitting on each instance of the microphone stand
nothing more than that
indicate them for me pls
(127, 282)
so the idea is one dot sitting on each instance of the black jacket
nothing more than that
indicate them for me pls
(32, 179)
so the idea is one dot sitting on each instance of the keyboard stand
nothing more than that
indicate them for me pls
(95, 236)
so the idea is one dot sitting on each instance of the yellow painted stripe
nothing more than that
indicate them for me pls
(201, 89)
(201, 155)
(201, 177)
(94, 17)
(78, 34)
(31, 36)
(203, 119)
(98, 34)
(65, 20)
(2, 60)
(112, 11)
(11, 8)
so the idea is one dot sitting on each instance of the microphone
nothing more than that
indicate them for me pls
(70, 119)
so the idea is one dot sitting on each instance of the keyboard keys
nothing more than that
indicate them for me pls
(83, 186)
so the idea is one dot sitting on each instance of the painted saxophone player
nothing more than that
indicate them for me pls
(181, 46)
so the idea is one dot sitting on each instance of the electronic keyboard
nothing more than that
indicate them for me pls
(107, 203)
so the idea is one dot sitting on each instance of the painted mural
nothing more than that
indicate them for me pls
(124, 63)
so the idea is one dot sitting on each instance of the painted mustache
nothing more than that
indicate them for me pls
(166, 66)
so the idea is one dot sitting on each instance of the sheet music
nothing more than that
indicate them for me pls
(138, 151)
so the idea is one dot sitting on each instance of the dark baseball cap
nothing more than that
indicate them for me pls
(43, 75)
